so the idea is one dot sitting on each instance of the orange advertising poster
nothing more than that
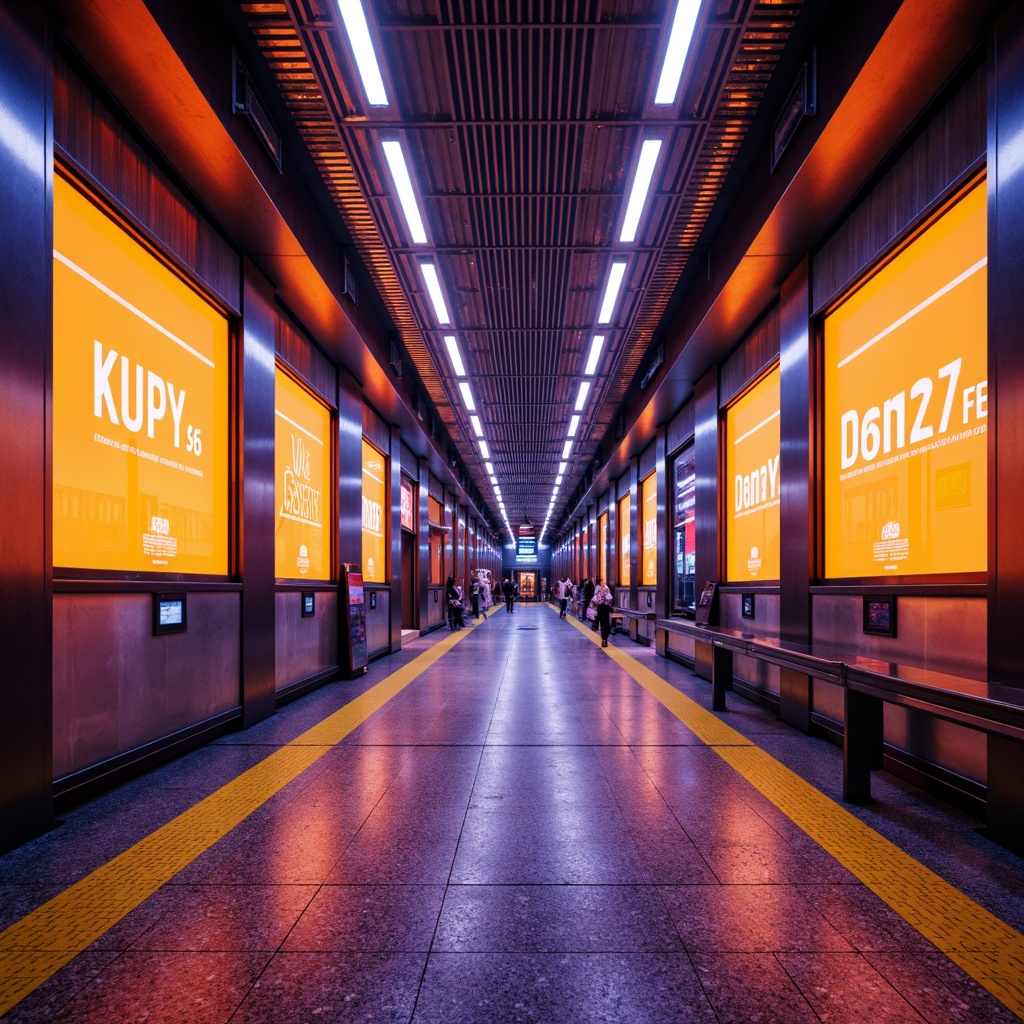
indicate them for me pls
(140, 405)
(625, 554)
(906, 407)
(752, 483)
(374, 518)
(302, 482)
(602, 546)
(649, 504)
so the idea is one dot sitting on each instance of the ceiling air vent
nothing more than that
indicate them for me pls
(246, 102)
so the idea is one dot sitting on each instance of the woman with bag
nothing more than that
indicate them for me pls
(603, 601)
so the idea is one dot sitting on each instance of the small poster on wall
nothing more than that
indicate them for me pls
(354, 618)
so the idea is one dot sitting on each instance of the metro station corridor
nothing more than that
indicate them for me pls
(508, 823)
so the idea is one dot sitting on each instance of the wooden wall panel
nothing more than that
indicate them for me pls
(949, 148)
(300, 354)
(680, 428)
(92, 139)
(758, 350)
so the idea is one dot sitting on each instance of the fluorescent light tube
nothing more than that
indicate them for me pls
(595, 355)
(467, 396)
(433, 283)
(562, 467)
(581, 398)
(574, 424)
(493, 479)
(489, 466)
(406, 194)
(559, 479)
(675, 53)
(477, 428)
(362, 50)
(455, 355)
(484, 450)
(641, 187)
(567, 449)
(611, 292)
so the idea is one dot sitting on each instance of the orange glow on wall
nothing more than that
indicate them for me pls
(753, 443)
(302, 482)
(906, 409)
(602, 546)
(375, 517)
(649, 536)
(140, 405)
(625, 554)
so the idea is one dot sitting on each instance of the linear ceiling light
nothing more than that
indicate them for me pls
(406, 193)
(562, 467)
(574, 424)
(433, 283)
(595, 355)
(489, 466)
(493, 479)
(484, 450)
(611, 292)
(581, 398)
(641, 187)
(455, 355)
(679, 40)
(567, 449)
(558, 479)
(467, 396)
(477, 428)
(362, 49)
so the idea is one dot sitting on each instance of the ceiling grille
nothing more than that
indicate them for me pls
(521, 119)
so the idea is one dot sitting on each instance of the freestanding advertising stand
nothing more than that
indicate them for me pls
(352, 621)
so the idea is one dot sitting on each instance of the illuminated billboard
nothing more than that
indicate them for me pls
(906, 407)
(375, 526)
(140, 405)
(649, 545)
(625, 554)
(302, 482)
(752, 483)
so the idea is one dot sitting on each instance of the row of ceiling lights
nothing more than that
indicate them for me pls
(361, 44)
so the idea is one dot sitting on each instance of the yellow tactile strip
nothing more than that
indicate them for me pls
(37, 946)
(988, 949)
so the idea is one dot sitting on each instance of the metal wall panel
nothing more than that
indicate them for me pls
(378, 623)
(116, 686)
(257, 429)
(26, 329)
(680, 428)
(755, 354)
(308, 363)
(304, 647)
(376, 430)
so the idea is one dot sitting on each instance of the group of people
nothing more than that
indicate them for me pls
(591, 600)
(454, 595)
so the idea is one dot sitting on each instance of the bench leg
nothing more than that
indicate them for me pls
(862, 745)
(1006, 793)
(721, 676)
(795, 699)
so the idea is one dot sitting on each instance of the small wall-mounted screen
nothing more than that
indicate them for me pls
(169, 613)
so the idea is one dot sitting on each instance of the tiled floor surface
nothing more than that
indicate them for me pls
(521, 834)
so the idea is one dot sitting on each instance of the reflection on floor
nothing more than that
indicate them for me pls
(497, 824)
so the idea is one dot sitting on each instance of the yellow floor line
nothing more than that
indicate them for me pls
(37, 946)
(988, 949)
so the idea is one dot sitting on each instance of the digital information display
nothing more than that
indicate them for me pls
(374, 519)
(302, 482)
(140, 405)
(753, 443)
(649, 507)
(526, 549)
(906, 407)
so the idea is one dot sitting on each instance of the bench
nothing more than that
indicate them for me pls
(868, 685)
(622, 617)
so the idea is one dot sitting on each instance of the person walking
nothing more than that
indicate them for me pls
(474, 595)
(603, 601)
(454, 600)
(509, 591)
(588, 595)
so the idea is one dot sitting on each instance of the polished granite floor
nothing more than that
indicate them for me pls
(521, 834)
